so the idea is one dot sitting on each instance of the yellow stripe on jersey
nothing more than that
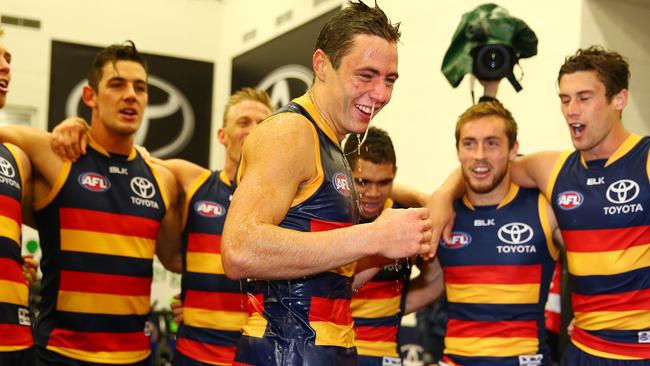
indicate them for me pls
(255, 326)
(12, 348)
(220, 320)
(625, 148)
(597, 353)
(346, 270)
(308, 189)
(490, 346)
(614, 320)
(330, 334)
(94, 303)
(9, 229)
(375, 308)
(609, 263)
(542, 206)
(102, 356)
(554, 173)
(14, 293)
(474, 293)
(204, 263)
(376, 348)
(56, 187)
(190, 193)
(106, 243)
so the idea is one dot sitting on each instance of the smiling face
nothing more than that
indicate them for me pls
(484, 154)
(373, 183)
(121, 97)
(239, 122)
(5, 72)
(361, 86)
(590, 116)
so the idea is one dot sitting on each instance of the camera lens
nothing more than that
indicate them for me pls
(493, 59)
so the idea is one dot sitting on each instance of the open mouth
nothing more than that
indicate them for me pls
(129, 113)
(4, 85)
(577, 128)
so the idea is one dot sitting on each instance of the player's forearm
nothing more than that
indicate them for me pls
(265, 251)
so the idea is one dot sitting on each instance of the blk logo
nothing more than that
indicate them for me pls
(341, 184)
(515, 233)
(459, 240)
(6, 168)
(209, 209)
(570, 200)
(622, 191)
(94, 182)
(142, 187)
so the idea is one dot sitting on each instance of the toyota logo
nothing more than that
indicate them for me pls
(6, 168)
(278, 82)
(176, 101)
(515, 233)
(142, 187)
(622, 191)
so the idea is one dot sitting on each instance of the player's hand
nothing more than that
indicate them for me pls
(70, 138)
(30, 267)
(402, 233)
(442, 214)
(177, 309)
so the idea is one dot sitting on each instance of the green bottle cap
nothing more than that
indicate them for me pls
(32, 246)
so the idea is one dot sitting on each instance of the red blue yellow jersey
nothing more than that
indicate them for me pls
(377, 309)
(601, 207)
(307, 320)
(98, 229)
(15, 324)
(497, 272)
(213, 305)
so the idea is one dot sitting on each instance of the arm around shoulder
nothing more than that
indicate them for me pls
(168, 241)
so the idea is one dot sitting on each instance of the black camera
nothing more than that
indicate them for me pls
(493, 61)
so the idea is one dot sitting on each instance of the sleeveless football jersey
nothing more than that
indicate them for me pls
(601, 207)
(497, 273)
(213, 304)
(307, 320)
(377, 309)
(15, 324)
(98, 229)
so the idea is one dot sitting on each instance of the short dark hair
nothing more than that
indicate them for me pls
(336, 36)
(613, 69)
(112, 54)
(485, 109)
(378, 148)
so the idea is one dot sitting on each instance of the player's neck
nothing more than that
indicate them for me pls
(608, 145)
(319, 98)
(111, 142)
(493, 197)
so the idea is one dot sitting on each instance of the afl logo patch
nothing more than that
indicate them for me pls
(209, 209)
(570, 200)
(341, 184)
(459, 240)
(94, 182)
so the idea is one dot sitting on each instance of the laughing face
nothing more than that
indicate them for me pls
(484, 154)
(362, 85)
(121, 97)
(5, 72)
(589, 115)
(373, 183)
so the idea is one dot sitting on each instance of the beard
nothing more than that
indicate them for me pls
(485, 187)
